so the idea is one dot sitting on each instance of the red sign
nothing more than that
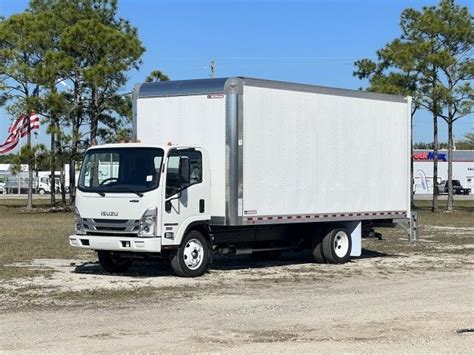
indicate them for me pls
(428, 156)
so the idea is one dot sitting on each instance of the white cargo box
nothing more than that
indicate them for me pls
(282, 152)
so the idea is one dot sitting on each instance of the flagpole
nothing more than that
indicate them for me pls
(30, 170)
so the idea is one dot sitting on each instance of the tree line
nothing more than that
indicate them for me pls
(466, 143)
(431, 61)
(69, 60)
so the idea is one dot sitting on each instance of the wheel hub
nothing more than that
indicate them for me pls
(193, 254)
(341, 244)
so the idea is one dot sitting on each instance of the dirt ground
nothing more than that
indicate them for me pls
(397, 297)
(408, 314)
(391, 303)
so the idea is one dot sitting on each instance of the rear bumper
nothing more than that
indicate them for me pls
(95, 242)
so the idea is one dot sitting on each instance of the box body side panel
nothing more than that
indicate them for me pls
(311, 153)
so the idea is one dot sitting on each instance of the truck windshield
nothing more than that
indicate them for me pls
(121, 170)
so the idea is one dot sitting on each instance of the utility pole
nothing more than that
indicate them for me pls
(213, 68)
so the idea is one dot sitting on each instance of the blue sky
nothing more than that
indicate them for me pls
(313, 42)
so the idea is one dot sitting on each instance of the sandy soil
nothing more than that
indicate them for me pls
(397, 303)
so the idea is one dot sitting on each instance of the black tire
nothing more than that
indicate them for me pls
(185, 257)
(41, 192)
(317, 249)
(113, 263)
(337, 246)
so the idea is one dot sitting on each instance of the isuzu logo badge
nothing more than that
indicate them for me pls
(109, 213)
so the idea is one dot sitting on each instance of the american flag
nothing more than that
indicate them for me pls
(17, 130)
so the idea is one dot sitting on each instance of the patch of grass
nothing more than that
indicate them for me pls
(30, 297)
(437, 232)
(21, 203)
(108, 295)
(462, 215)
(443, 205)
(26, 236)
(14, 272)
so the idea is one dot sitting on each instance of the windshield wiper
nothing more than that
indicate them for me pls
(139, 194)
(100, 193)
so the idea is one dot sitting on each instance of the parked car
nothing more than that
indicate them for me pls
(458, 189)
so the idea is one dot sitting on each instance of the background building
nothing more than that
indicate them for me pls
(463, 169)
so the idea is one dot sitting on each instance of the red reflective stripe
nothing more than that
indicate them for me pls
(319, 216)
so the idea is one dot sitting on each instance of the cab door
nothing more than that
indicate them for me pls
(186, 200)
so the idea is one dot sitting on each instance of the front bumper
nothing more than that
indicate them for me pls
(103, 242)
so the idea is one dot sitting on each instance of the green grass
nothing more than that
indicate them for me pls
(463, 216)
(32, 235)
(459, 205)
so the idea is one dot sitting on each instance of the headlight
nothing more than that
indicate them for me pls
(147, 227)
(78, 225)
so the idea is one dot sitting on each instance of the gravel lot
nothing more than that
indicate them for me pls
(416, 314)
(384, 303)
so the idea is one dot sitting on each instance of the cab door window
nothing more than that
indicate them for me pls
(173, 181)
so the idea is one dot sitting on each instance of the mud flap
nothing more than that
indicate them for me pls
(355, 228)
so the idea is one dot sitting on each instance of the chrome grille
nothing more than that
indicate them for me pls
(110, 226)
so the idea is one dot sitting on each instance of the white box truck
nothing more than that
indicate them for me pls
(240, 165)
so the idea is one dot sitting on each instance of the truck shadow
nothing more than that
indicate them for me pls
(369, 254)
(144, 269)
(289, 258)
(140, 269)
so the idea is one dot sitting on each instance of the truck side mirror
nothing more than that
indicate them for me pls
(184, 170)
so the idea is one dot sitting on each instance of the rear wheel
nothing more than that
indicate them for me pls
(113, 263)
(318, 251)
(337, 246)
(193, 257)
(316, 245)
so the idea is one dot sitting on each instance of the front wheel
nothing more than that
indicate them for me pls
(193, 256)
(113, 263)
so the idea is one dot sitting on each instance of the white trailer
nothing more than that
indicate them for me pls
(242, 165)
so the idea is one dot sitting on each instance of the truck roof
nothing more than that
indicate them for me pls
(236, 84)
(142, 145)
(125, 145)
